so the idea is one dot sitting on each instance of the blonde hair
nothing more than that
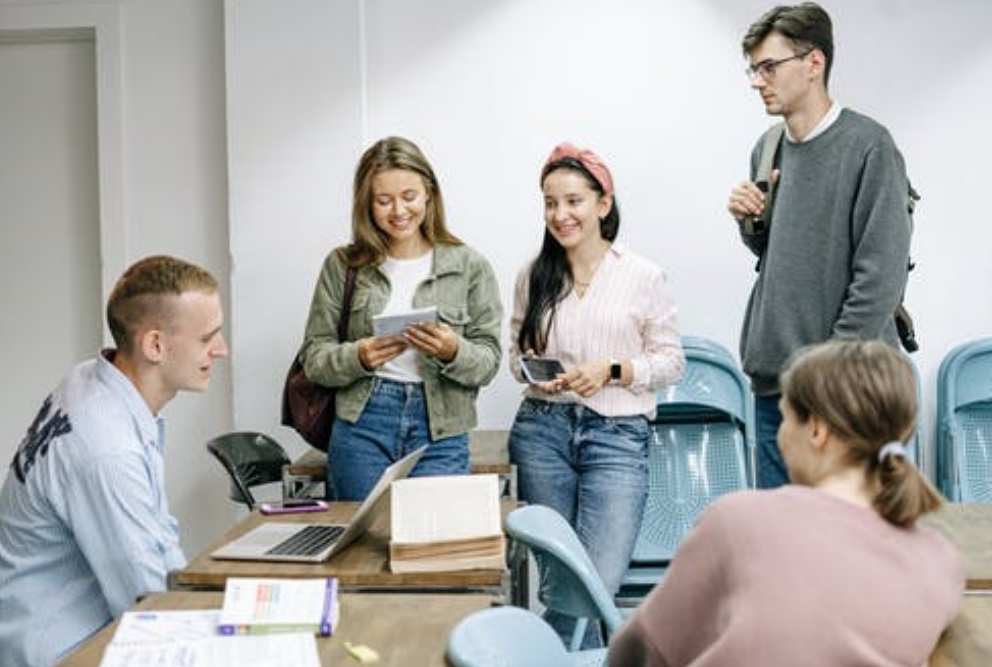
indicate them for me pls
(369, 243)
(865, 393)
(144, 295)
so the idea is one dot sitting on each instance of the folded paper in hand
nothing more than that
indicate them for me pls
(394, 324)
(446, 523)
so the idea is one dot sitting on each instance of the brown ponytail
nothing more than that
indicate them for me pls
(865, 392)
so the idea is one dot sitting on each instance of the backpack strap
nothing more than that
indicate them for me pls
(350, 278)
(760, 224)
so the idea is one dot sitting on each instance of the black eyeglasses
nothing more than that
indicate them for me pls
(766, 68)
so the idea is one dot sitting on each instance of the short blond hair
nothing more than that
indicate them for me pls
(144, 295)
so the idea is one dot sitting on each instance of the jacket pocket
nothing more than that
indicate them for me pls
(455, 317)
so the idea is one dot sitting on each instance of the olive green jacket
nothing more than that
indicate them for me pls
(462, 285)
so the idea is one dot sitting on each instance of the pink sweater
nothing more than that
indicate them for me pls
(796, 577)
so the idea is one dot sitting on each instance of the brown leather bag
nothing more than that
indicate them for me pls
(308, 407)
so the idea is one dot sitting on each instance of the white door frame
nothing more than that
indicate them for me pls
(102, 21)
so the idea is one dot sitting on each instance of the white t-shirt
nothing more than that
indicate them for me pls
(405, 275)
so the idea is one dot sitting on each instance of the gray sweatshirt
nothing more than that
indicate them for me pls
(833, 264)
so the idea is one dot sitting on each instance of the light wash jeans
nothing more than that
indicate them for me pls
(393, 424)
(594, 471)
(772, 471)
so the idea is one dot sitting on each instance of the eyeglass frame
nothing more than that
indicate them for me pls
(766, 68)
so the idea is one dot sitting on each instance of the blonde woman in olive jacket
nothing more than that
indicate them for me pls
(399, 392)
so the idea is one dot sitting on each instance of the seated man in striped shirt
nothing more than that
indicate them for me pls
(85, 527)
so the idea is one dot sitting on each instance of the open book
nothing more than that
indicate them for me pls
(446, 523)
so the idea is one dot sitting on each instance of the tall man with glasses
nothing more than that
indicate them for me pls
(832, 252)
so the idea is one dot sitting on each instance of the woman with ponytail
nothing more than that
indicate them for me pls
(830, 570)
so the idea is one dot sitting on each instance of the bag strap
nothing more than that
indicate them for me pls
(763, 179)
(350, 278)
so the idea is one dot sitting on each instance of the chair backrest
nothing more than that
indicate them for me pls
(964, 422)
(250, 459)
(569, 582)
(712, 382)
(701, 447)
(506, 637)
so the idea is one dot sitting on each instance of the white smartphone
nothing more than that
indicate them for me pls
(540, 369)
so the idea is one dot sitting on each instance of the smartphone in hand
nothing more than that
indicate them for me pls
(540, 369)
(293, 506)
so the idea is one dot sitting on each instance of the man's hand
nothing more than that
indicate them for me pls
(747, 199)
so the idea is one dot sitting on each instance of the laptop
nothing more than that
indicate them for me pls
(315, 542)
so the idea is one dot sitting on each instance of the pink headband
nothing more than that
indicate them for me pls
(587, 158)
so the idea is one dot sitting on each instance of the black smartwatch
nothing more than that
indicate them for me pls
(616, 372)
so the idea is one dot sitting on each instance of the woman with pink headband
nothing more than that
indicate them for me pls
(580, 438)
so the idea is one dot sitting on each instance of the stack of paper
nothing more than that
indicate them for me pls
(446, 523)
(190, 639)
(260, 606)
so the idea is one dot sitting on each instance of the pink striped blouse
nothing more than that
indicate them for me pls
(626, 313)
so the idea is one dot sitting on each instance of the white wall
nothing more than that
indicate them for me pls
(486, 89)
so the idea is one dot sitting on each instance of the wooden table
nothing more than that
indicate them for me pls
(403, 629)
(968, 641)
(362, 565)
(969, 527)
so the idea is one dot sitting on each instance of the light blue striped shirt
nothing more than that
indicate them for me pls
(84, 521)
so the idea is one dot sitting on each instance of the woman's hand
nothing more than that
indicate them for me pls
(587, 379)
(374, 352)
(435, 339)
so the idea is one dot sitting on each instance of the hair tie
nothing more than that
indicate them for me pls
(894, 448)
(592, 162)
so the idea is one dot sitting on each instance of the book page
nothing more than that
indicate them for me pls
(152, 627)
(285, 650)
(444, 508)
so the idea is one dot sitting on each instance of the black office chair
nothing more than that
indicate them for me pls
(250, 459)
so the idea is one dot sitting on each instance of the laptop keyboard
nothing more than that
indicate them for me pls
(309, 541)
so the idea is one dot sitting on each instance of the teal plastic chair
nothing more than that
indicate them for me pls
(702, 447)
(914, 446)
(569, 582)
(512, 637)
(964, 418)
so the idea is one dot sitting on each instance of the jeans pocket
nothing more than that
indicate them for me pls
(632, 433)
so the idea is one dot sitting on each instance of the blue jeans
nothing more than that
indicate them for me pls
(393, 424)
(772, 471)
(594, 471)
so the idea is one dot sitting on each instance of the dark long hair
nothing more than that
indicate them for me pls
(550, 273)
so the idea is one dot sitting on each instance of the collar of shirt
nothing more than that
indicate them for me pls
(829, 118)
(152, 428)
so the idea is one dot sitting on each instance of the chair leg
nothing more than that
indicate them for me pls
(579, 634)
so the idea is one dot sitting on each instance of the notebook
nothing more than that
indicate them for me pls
(315, 542)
